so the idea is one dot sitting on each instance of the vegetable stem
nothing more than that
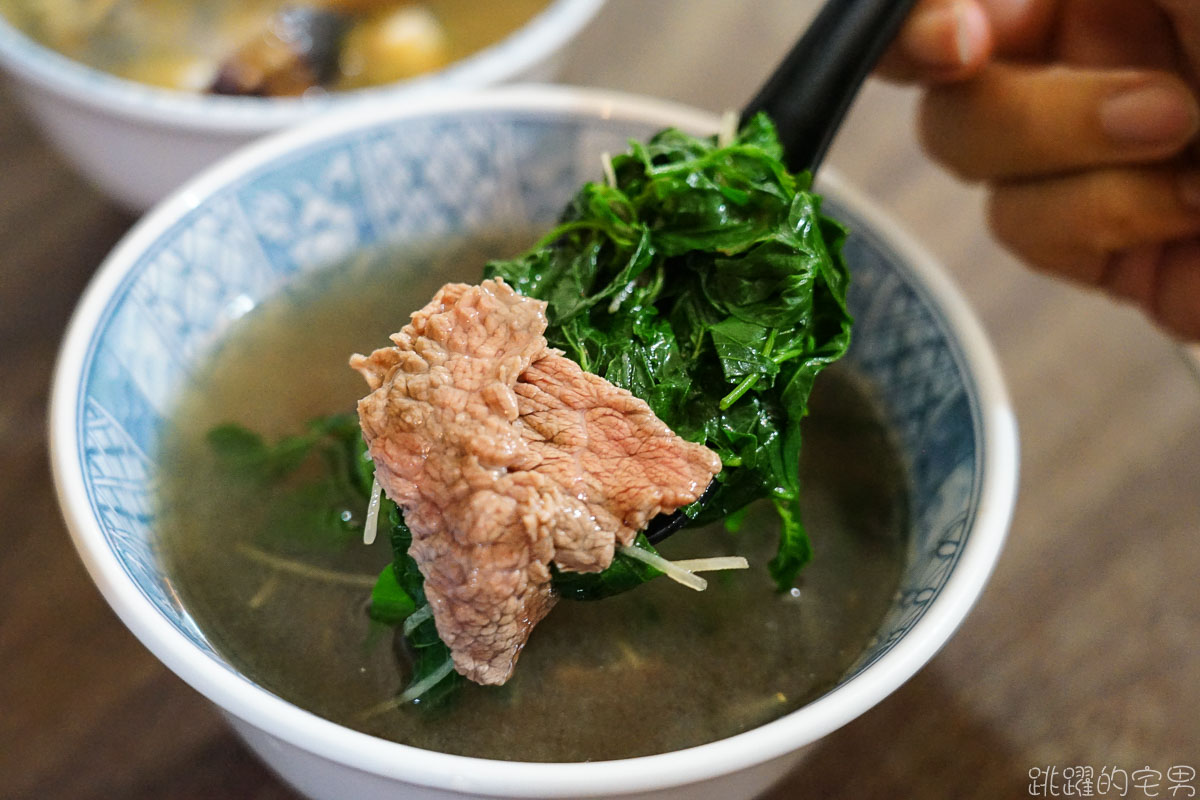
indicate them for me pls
(746, 385)
(749, 381)
(304, 570)
(428, 682)
(770, 342)
(416, 618)
(610, 175)
(578, 225)
(729, 128)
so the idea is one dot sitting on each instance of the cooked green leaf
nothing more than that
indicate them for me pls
(622, 575)
(390, 604)
(708, 283)
(318, 480)
(705, 281)
(430, 655)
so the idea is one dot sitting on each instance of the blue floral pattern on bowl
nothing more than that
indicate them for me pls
(468, 173)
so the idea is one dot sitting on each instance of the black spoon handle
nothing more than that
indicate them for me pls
(810, 92)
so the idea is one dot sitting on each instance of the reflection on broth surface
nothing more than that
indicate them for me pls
(656, 669)
(347, 44)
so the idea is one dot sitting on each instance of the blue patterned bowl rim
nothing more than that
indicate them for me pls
(505, 60)
(996, 459)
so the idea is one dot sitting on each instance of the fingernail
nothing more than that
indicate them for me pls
(941, 36)
(1151, 114)
(962, 33)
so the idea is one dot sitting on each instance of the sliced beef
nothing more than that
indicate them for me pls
(505, 457)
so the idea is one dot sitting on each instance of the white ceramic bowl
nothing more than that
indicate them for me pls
(462, 164)
(137, 142)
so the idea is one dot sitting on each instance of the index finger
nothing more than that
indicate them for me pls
(945, 41)
(942, 41)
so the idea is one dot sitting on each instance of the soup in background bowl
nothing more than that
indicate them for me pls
(913, 431)
(267, 47)
(115, 85)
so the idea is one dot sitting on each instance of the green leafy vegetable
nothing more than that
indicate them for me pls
(430, 654)
(321, 474)
(707, 282)
(390, 604)
(337, 436)
(324, 507)
(622, 575)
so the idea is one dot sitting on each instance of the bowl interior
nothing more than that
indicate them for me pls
(168, 296)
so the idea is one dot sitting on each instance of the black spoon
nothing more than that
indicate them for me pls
(808, 96)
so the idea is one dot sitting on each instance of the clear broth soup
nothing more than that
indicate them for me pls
(656, 669)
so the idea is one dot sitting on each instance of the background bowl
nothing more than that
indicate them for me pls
(465, 164)
(137, 142)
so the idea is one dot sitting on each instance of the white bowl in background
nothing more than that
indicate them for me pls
(138, 142)
(463, 164)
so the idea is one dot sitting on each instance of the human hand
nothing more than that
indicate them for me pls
(1080, 116)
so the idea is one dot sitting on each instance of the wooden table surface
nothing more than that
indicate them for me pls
(1083, 651)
